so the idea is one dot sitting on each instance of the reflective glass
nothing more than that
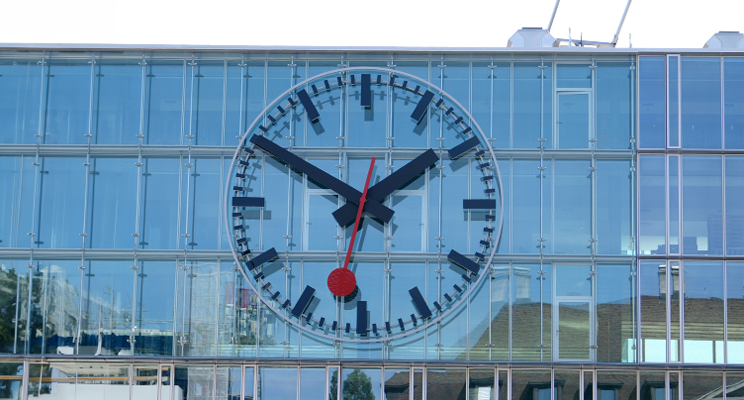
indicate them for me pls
(154, 320)
(531, 313)
(652, 102)
(614, 201)
(673, 170)
(12, 295)
(734, 385)
(360, 384)
(282, 214)
(397, 384)
(248, 383)
(366, 124)
(531, 384)
(456, 82)
(315, 274)
(733, 102)
(653, 310)
(699, 384)
(276, 383)
(454, 188)
(615, 104)
(489, 318)
(112, 203)
(573, 121)
(194, 382)
(62, 203)
(160, 206)
(572, 207)
(673, 104)
(573, 330)
(403, 277)
(567, 384)
(244, 98)
(652, 204)
(526, 204)
(19, 101)
(616, 385)
(14, 178)
(735, 311)
(574, 76)
(616, 313)
(491, 101)
(532, 96)
(481, 384)
(454, 331)
(448, 383)
(198, 296)
(117, 94)
(313, 384)
(704, 312)
(573, 280)
(702, 205)
(701, 102)
(653, 385)
(373, 276)
(54, 308)
(205, 83)
(164, 103)
(406, 131)
(324, 132)
(12, 377)
(66, 119)
(734, 166)
(204, 200)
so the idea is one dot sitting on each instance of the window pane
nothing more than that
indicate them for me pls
(526, 205)
(616, 309)
(205, 191)
(572, 207)
(735, 311)
(615, 105)
(67, 103)
(19, 101)
(702, 210)
(733, 103)
(449, 383)
(361, 383)
(573, 120)
(701, 102)
(619, 385)
(734, 205)
(62, 203)
(531, 312)
(54, 310)
(652, 102)
(698, 384)
(531, 385)
(277, 383)
(614, 205)
(164, 100)
(160, 192)
(397, 384)
(116, 103)
(529, 92)
(154, 313)
(673, 106)
(703, 299)
(313, 384)
(112, 203)
(653, 311)
(574, 76)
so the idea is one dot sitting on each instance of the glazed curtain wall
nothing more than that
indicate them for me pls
(112, 238)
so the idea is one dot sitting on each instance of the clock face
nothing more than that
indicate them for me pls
(364, 204)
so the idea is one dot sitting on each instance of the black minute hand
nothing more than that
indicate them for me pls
(346, 214)
(342, 189)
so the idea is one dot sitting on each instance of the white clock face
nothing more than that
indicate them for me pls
(429, 223)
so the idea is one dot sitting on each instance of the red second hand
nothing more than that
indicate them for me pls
(341, 281)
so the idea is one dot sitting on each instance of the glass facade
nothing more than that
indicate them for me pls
(618, 267)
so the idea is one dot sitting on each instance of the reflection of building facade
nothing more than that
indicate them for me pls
(618, 274)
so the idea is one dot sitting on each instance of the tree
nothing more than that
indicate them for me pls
(356, 386)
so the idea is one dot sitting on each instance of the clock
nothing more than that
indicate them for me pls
(344, 186)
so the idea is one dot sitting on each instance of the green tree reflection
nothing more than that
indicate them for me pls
(357, 386)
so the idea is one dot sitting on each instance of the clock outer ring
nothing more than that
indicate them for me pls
(369, 339)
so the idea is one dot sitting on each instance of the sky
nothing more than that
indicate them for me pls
(377, 23)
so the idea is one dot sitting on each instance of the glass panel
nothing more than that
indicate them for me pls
(313, 384)
(589, 387)
(567, 384)
(408, 222)
(194, 382)
(573, 120)
(616, 385)
(673, 170)
(366, 124)
(702, 210)
(734, 385)
(19, 101)
(228, 383)
(698, 385)
(454, 189)
(112, 203)
(573, 280)
(480, 384)
(11, 300)
(248, 383)
(164, 102)
(62, 203)
(402, 278)
(653, 311)
(491, 101)
(102, 381)
(531, 384)
(106, 315)
(17, 185)
(653, 386)
(652, 204)
(703, 299)
(54, 307)
(614, 204)
(701, 102)
(397, 384)
(673, 105)
(574, 76)
(531, 314)
(572, 207)
(371, 232)
(322, 229)
(117, 93)
(245, 79)
(145, 375)
(160, 192)
(448, 383)
(373, 276)
(735, 311)
(616, 309)
(11, 377)
(325, 131)
(205, 191)
(205, 106)
(282, 215)
(67, 103)
(155, 307)
(574, 330)
(530, 92)
(196, 319)
(526, 205)
(734, 207)
(615, 104)
(360, 384)
(652, 102)
(674, 311)
(733, 102)
(277, 383)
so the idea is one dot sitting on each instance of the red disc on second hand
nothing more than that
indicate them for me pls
(341, 282)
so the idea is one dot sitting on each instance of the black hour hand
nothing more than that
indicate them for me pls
(342, 189)
(346, 214)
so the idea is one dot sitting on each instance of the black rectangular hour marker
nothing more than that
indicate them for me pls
(468, 129)
(262, 258)
(366, 91)
(286, 303)
(446, 296)
(245, 253)
(353, 80)
(315, 89)
(413, 318)
(281, 109)
(485, 243)
(304, 300)
(374, 329)
(449, 111)
(400, 323)
(458, 120)
(312, 112)
(249, 150)
(321, 322)
(487, 191)
(248, 201)
(439, 103)
(490, 218)
(387, 326)
(258, 276)
(420, 303)
(292, 101)
(238, 227)
(489, 230)
(392, 81)
(379, 80)
(309, 317)
(327, 85)
(479, 204)
(405, 85)
(457, 288)
(348, 327)
(479, 153)
(463, 261)
(339, 82)
(416, 90)
(422, 106)
(333, 326)
(272, 119)
(461, 148)
(438, 306)
(275, 295)
(361, 322)
(467, 278)
(480, 256)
